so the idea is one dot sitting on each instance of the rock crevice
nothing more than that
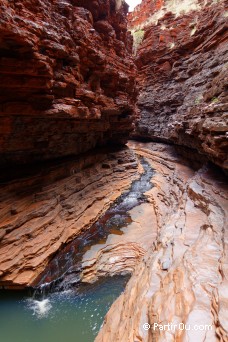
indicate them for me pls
(182, 75)
(69, 86)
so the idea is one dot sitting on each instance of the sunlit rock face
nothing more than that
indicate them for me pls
(67, 78)
(183, 275)
(182, 75)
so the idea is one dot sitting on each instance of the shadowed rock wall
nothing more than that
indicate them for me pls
(182, 63)
(67, 78)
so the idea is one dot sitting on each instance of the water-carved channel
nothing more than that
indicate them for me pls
(65, 308)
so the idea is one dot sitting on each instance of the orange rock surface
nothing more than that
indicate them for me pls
(40, 213)
(68, 87)
(122, 252)
(183, 276)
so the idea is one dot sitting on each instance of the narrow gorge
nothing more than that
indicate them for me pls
(113, 171)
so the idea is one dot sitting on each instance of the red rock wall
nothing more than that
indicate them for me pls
(142, 12)
(67, 78)
(182, 65)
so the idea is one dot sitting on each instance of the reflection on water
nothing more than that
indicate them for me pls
(74, 315)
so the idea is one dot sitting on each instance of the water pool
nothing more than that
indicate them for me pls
(74, 315)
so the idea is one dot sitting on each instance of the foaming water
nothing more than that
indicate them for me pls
(62, 309)
(74, 315)
(40, 308)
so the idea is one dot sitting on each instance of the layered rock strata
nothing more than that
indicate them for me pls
(40, 213)
(67, 78)
(121, 252)
(183, 276)
(182, 64)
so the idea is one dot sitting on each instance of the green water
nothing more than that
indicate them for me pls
(71, 311)
(68, 316)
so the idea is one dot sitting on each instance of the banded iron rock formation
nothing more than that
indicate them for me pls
(67, 78)
(68, 104)
(67, 86)
(183, 74)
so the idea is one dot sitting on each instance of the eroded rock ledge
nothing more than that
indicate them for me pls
(121, 253)
(67, 78)
(182, 74)
(42, 212)
(183, 276)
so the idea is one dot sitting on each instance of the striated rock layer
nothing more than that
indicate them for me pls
(43, 211)
(67, 78)
(183, 276)
(121, 252)
(183, 74)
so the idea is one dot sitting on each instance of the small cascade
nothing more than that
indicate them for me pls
(66, 307)
(40, 307)
(60, 302)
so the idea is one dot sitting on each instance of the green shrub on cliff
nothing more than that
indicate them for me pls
(137, 39)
